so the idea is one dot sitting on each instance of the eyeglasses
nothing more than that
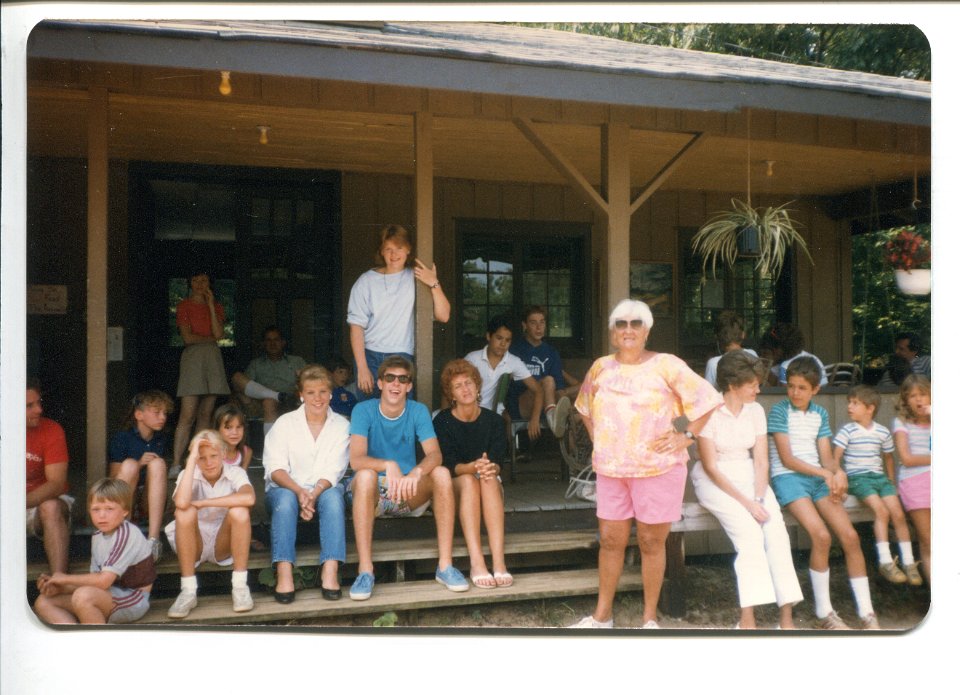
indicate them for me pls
(402, 378)
(621, 324)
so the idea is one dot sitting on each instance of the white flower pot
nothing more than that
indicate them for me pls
(916, 281)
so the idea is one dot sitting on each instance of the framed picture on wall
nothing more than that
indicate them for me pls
(653, 283)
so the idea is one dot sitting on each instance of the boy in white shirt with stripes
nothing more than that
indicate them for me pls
(865, 448)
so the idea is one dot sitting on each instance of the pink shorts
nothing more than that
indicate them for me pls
(915, 492)
(654, 500)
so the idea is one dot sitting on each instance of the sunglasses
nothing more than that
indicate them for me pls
(621, 324)
(402, 378)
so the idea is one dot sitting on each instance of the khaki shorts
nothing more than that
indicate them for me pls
(35, 528)
(202, 372)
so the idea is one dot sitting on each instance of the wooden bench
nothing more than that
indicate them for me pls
(696, 518)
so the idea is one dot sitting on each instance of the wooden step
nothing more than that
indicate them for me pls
(387, 550)
(400, 596)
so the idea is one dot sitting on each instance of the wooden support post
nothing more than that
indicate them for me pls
(615, 185)
(423, 194)
(97, 161)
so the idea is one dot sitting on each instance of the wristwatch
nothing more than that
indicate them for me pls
(435, 285)
(689, 435)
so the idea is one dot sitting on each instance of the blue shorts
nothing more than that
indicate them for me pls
(789, 487)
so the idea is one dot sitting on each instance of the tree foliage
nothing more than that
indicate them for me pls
(900, 50)
(880, 310)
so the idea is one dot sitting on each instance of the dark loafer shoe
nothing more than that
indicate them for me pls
(284, 596)
(331, 594)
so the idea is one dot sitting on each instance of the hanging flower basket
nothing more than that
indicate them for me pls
(916, 281)
(909, 254)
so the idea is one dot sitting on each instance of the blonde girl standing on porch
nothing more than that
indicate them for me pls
(381, 309)
(202, 376)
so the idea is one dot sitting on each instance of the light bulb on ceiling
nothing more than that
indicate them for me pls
(770, 163)
(225, 87)
(263, 133)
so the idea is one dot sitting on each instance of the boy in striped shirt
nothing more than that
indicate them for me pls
(122, 572)
(866, 450)
(809, 483)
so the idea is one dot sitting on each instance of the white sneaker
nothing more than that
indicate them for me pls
(174, 472)
(186, 602)
(242, 600)
(653, 625)
(551, 418)
(589, 622)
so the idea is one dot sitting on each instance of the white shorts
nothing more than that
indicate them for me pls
(35, 528)
(208, 536)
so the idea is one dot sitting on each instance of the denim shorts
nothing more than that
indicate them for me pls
(863, 485)
(789, 487)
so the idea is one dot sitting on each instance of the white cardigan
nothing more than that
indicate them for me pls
(289, 446)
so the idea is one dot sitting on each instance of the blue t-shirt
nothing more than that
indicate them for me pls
(542, 360)
(128, 444)
(342, 401)
(394, 439)
(804, 427)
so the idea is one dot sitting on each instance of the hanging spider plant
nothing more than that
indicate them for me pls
(747, 232)
(719, 240)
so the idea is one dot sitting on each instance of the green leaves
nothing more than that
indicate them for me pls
(716, 241)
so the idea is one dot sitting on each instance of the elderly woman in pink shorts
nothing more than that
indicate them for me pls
(629, 401)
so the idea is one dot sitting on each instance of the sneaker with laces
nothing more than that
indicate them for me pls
(832, 621)
(174, 472)
(892, 573)
(156, 548)
(912, 572)
(869, 622)
(362, 587)
(242, 600)
(186, 602)
(452, 578)
(589, 623)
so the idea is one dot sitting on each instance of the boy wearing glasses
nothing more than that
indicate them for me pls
(388, 481)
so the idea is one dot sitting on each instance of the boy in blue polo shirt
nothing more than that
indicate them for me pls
(387, 479)
(866, 448)
(810, 484)
(137, 457)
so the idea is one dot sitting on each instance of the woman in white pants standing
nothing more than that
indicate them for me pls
(734, 486)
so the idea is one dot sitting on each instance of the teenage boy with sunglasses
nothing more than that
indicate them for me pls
(387, 479)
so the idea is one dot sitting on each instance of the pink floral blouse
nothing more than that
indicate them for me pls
(631, 405)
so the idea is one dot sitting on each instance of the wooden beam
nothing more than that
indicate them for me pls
(97, 159)
(615, 173)
(562, 165)
(423, 214)
(654, 184)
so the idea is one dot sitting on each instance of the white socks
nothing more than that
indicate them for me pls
(821, 592)
(259, 391)
(189, 584)
(238, 579)
(883, 553)
(266, 428)
(906, 552)
(861, 593)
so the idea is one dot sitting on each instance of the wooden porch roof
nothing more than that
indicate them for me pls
(342, 97)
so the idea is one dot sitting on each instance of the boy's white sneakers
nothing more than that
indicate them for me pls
(242, 600)
(186, 602)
